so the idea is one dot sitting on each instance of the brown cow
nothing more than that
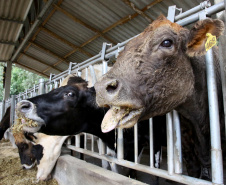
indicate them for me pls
(160, 70)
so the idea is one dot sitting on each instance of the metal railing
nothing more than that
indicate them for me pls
(174, 153)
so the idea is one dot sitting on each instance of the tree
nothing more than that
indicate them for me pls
(20, 81)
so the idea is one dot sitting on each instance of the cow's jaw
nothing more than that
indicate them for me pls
(28, 167)
(120, 117)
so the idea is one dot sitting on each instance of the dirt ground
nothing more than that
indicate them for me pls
(11, 172)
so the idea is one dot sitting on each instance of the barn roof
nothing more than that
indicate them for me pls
(45, 36)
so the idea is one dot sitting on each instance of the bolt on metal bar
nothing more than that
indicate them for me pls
(151, 144)
(178, 166)
(136, 143)
(169, 126)
(120, 144)
(202, 5)
(216, 153)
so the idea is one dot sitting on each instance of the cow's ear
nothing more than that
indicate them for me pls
(81, 86)
(198, 38)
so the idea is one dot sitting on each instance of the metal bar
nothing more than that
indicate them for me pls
(85, 141)
(11, 20)
(77, 140)
(56, 84)
(41, 86)
(169, 126)
(216, 153)
(12, 109)
(135, 143)
(195, 17)
(151, 142)
(202, 5)
(94, 79)
(171, 13)
(178, 166)
(3, 109)
(104, 67)
(154, 171)
(120, 144)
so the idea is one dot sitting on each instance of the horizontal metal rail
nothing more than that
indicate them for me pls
(154, 171)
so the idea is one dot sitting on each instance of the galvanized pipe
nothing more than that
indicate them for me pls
(154, 171)
(151, 143)
(136, 143)
(178, 166)
(3, 109)
(85, 141)
(202, 5)
(216, 153)
(169, 126)
(120, 144)
(195, 17)
(77, 140)
(41, 86)
(12, 109)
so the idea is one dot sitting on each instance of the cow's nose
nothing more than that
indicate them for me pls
(107, 90)
(111, 86)
(24, 106)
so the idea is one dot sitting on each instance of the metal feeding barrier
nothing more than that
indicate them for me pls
(174, 151)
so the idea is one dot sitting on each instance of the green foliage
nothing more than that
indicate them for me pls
(20, 81)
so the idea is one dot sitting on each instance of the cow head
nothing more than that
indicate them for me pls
(59, 112)
(153, 75)
(29, 153)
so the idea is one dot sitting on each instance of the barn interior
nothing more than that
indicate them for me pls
(46, 37)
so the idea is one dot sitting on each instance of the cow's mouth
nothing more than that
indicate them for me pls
(120, 117)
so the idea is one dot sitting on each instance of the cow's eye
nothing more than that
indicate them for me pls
(167, 43)
(71, 94)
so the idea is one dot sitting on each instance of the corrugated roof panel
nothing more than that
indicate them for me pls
(68, 29)
(53, 44)
(6, 51)
(95, 46)
(32, 63)
(98, 14)
(77, 57)
(41, 55)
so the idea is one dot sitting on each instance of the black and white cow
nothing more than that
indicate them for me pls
(70, 110)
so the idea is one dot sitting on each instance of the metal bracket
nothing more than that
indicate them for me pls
(104, 49)
(70, 67)
(51, 76)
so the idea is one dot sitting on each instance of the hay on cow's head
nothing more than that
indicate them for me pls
(22, 121)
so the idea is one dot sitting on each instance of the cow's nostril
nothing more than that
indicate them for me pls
(112, 86)
(25, 106)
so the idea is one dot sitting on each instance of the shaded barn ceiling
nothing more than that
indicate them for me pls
(71, 30)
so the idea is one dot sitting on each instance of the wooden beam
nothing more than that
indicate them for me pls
(29, 56)
(133, 6)
(33, 70)
(75, 19)
(48, 51)
(66, 42)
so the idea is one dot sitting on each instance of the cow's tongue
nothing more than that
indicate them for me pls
(120, 117)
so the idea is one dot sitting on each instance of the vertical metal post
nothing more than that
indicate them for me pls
(12, 109)
(85, 141)
(94, 79)
(50, 87)
(92, 143)
(104, 67)
(3, 108)
(135, 143)
(7, 80)
(151, 142)
(56, 84)
(216, 153)
(79, 73)
(69, 141)
(41, 89)
(34, 94)
(86, 74)
(171, 13)
(77, 141)
(169, 126)
(177, 144)
(120, 147)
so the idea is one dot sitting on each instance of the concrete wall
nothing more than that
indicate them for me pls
(70, 170)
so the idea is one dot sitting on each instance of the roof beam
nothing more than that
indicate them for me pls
(8, 42)
(83, 23)
(30, 69)
(48, 51)
(11, 20)
(133, 6)
(66, 42)
(33, 58)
